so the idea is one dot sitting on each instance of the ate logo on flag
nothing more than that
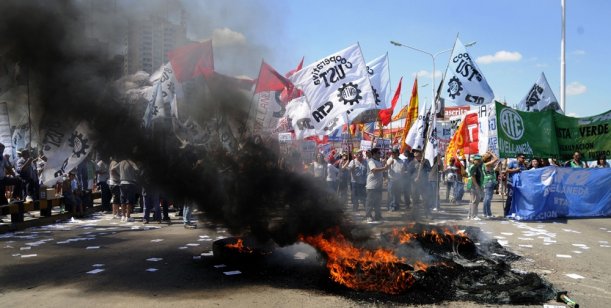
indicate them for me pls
(349, 94)
(78, 144)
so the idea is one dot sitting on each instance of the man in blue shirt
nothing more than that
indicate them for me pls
(513, 167)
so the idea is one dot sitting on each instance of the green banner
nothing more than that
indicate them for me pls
(530, 133)
(590, 135)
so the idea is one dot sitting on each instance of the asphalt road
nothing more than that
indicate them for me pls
(101, 262)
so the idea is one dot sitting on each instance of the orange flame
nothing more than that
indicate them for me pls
(239, 245)
(361, 269)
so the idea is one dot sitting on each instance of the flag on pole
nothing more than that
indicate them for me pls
(268, 105)
(162, 96)
(379, 75)
(192, 60)
(411, 114)
(540, 97)
(402, 114)
(385, 115)
(416, 137)
(335, 87)
(298, 68)
(464, 83)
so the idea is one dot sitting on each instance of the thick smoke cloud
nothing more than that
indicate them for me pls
(243, 189)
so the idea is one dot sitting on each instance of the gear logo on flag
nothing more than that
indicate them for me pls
(349, 93)
(376, 96)
(78, 143)
(454, 87)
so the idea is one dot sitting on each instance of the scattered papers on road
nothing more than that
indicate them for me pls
(154, 259)
(193, 244)
(208, 254)
(157, 240)
(564, 256)
(95, 271)
(575, 276)
(93, 247)
(220, 266)
(151, 269)
(230, 273)
(98, 265)
(29, 256)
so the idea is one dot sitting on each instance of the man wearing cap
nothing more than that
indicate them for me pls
(513, 167)
(475, 185)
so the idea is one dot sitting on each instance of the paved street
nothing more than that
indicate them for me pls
(102, 262)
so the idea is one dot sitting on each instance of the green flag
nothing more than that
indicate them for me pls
(590, 135)
(529, 133)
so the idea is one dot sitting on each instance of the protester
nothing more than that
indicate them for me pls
(7, 178)
(513, 167)
(343, 178)
(489, 180)
(475, 186)
(358, 172)
(407, 179)
(27, 172)
(395, 180)
(534, 164)
(114, 182)
(71, 191)
(318, 168)
(128, 174)
(419, 170)
(576, 162)
(374, 186)
(451, 179)
(332, 175)
(601, 162)
(102, 177)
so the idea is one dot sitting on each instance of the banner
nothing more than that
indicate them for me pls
(379, 75)
(64, 149)
(5, 131)
(162, 96)
(416, 137)
(266, 103)
(540, 98)
(337, 89)
(529, 133)
(450, 112)
(590, 135)
(552, 192)
(487, 137)
(412, 114)
(464, 82)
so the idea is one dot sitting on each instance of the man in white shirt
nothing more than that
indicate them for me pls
(374, 184)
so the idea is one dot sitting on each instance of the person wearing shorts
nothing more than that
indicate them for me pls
(128, 173)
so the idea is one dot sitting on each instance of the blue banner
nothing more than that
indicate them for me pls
(554, 192)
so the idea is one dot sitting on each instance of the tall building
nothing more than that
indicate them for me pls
(148, 42)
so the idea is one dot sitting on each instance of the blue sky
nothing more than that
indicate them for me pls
(519, 38)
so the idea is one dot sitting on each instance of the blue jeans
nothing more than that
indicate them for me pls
(151, 203)
(358, 195)
(374, 198)
(488, 192)
(186, 213)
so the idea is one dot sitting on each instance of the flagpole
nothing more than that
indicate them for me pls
(29, 116)
(562, 59)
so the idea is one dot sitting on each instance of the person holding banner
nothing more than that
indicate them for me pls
(602, 162)
(513, 167)
(576, 162)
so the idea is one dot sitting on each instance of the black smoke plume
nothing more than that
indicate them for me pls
(243, 189)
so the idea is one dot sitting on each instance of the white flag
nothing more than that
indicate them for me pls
(432, 142)
(417, 133)
(540, 97)
(64, 149)
(464, 83)
(303, 122)
(336, 86)
(379, 75)
(162, 96)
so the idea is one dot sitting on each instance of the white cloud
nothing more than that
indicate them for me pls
(500, 56)
(575, 88)
(227, 37)
(428, 74)
(579, 52)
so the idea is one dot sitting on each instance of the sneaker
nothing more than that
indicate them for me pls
(145, 222)
(476, 218)
(435, 209)
(190, 226)
(29, 199)
(369, 220)
(129, 219)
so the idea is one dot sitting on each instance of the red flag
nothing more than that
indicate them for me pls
(386, 114)
(270, 80)
(192, 60)
(324, 140)
(291, 72)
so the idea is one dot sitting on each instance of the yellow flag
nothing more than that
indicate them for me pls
(412, 114)
(402, 113)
